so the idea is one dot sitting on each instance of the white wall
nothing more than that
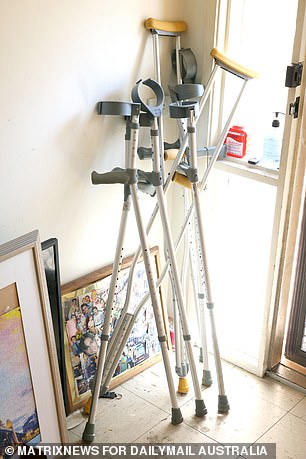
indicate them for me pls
(57, 60)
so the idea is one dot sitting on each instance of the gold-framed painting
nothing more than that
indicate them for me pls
(83, 303)
(32, 410)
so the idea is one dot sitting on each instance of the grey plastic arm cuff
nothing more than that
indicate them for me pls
(144, 153)
(190, 172)
(170, 146)
(110, 107)
(154, 110)
(188, 91)
(182, 110)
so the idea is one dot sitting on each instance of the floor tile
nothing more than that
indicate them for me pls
(123, 420)
(73, 438)
(265, 388)
(289, 434)
(248, 418)
(76, 418)
(151, 385)
(300, 410)
(258, 412)
(165, 432)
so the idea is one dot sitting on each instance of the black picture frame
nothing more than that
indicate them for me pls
(50, 254)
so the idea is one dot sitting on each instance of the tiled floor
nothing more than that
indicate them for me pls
(261, 410)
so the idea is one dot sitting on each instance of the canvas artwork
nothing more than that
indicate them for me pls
(84, 312)
(19, 422)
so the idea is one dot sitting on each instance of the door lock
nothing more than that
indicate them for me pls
(294, 107)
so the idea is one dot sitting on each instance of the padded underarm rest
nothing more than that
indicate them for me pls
(232, 66)
(175, 27)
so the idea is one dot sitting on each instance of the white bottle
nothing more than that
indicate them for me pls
(273, 144)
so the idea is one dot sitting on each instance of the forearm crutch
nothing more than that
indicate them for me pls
(123, 109)
(181, 93)
(188, 111)
(128, 177)
(200, 408)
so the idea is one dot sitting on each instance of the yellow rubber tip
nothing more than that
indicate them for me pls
(165, 26)
(232, 66)
(182, 180)
(183, 386)
(87, 406)
(171, 154)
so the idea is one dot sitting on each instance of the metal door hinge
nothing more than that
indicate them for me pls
(294, 108)
(294, 75)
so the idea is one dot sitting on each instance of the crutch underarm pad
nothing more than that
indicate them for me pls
(165, 26)
(232, 66)
(182, 180)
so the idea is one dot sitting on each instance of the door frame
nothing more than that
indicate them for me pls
(296, 321)
(287, 222)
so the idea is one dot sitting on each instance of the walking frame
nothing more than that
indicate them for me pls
(133, 180)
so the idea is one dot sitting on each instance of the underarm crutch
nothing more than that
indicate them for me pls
(185, 67)
(124, 109)
(155, 111)
(128, 177)
(173, 29)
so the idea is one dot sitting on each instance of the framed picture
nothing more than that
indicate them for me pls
(83, 302)
(50, 254)
(32, 410)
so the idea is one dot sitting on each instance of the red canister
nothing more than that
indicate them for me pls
(236, 142)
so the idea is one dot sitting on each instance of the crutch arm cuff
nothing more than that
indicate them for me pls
(232, 66)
